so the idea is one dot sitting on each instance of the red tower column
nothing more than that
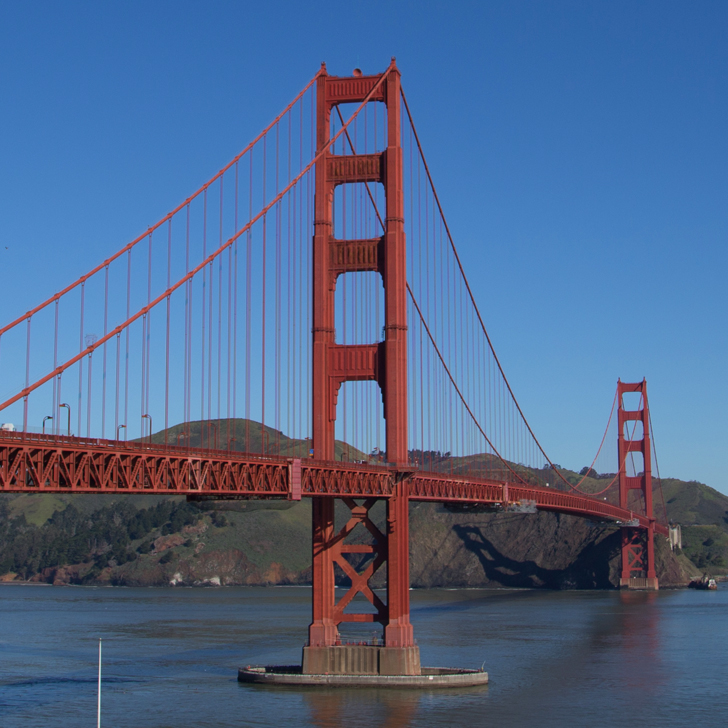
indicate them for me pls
(323, 285)
(638, 551)
(398, 632)
(395, 284)
(384, 362)
(323, 630)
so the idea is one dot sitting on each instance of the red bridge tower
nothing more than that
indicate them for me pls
(638, 549)
(385, 363)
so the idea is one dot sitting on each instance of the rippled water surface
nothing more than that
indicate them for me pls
(171, 659)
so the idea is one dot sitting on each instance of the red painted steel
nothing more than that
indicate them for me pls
(638, 550)
(334, 364)
(32, 463)
(385, 362)
(46, 463)
(322, 631)
(359, 580)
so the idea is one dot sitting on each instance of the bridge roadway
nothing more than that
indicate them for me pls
(33, 463)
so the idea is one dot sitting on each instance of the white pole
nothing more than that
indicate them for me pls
(98, 713)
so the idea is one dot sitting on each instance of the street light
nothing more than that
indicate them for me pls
(47, 417)
(68, 407)
(149, 417)
(117, 432)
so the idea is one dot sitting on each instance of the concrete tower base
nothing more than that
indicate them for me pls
(429, 679)
(361, 660)
(640, 583)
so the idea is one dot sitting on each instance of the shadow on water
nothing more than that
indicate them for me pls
(590, 570)
(475, 597)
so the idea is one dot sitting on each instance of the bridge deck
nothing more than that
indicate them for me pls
(32, 463)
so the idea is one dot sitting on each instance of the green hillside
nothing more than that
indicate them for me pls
(241, 435)
(702, 513)
(694, 503)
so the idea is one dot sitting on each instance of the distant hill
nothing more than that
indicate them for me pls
(702, 512)
(692, 503)
(243, 435)
(159, 540)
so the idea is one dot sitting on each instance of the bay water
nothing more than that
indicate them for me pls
(170, 659)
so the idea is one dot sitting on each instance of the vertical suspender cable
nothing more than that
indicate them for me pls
(149, 332)
(203, 319)
(103, 366)
(219, 313)
(248, 333)
(235, 312)
(188, 310)
(277, 308)
(126, 354)
(80, 348)
(57, 380)
(166, 346)
(27, 374)
(265, 220)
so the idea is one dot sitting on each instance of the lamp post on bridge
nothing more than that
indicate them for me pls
(47, 417)
(149, 417)
(68, 407)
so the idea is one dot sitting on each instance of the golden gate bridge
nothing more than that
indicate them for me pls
(312, 286)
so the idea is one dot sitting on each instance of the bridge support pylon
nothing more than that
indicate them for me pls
(384, 362)
(638, 549)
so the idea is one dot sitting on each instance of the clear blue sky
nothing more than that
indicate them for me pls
(580, 151)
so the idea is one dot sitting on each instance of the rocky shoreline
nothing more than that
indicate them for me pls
(269, 545)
